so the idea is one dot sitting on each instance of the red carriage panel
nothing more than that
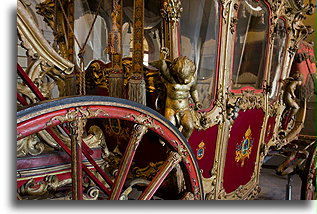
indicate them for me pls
(269, 129)
(242, 149)
(203, 144)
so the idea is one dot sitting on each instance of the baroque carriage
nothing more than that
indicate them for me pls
(163, 99)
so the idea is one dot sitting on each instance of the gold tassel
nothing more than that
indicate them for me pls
(137, 91)
(116, 83)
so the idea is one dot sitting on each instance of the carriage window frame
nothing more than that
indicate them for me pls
(273, 95)
(266, 55)
(213, 75)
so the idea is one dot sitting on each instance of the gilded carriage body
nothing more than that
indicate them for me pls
(233, 79)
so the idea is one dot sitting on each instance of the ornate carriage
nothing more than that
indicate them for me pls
(96, 78)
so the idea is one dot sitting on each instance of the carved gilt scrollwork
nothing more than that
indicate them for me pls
(188, 196)
(172, 10)
(30, 145)
(144, 120)
(35, 144)
(226, 9)
(294, 12)
(247, 100)
(35, 43)
(97, 75)
(48, 189)
(38, 143)
(234, 18)
(78, 112)
(205, 120)
(47, 69)
(49, 185)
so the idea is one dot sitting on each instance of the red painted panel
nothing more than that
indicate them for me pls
(238, 173)
(269, 129)
(239, 91)
(203, 144)
(50, 159)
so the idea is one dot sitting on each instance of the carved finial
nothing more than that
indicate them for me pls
(172, 10)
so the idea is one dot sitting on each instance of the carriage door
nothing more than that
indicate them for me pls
(246, 102)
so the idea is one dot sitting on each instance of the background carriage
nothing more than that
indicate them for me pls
(90, 121)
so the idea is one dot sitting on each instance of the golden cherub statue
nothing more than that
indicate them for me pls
(179, 77)
(289, 96)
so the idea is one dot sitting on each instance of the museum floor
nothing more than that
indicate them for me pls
(273, 186)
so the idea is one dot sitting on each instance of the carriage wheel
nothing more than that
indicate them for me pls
(308, 188)
(76, 111)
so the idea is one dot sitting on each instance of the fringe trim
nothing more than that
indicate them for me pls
(116, 86)
(137, 91)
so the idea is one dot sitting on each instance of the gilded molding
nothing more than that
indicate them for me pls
(138, 33)
(294, 12)
(33, 145)
(115, 80)
(174, 158)
(36, 45)
(115, 35)
(210, 183)
(188, 196)
(144, 120)
(78, 112)
(137, 134)
(205, 120)
(234, 18)
(183, 152)
(97, 75)
(46, 61)
(30, 145)
(226, 9)
(247, 100)
(49, 185)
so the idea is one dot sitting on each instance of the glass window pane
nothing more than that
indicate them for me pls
(199, 26)
(250, 45)
(85, 12)
(152, 29)
(278, 56)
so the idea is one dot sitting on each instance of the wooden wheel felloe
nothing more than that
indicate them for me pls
(308, 188)
(146, 125)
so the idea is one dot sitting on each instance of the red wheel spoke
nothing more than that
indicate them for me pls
(21, 100)
(29, 83)
(138, 133)
(86, 150)
(86, 170)
(76, 158)
(39, 117)
(173, 159)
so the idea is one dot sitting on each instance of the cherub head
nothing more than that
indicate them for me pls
(183, 70)
(298, 77)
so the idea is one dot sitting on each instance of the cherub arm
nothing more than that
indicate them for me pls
(163, 66)
(194, 95)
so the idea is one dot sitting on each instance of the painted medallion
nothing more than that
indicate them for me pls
(200, 150)
(244, 149)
